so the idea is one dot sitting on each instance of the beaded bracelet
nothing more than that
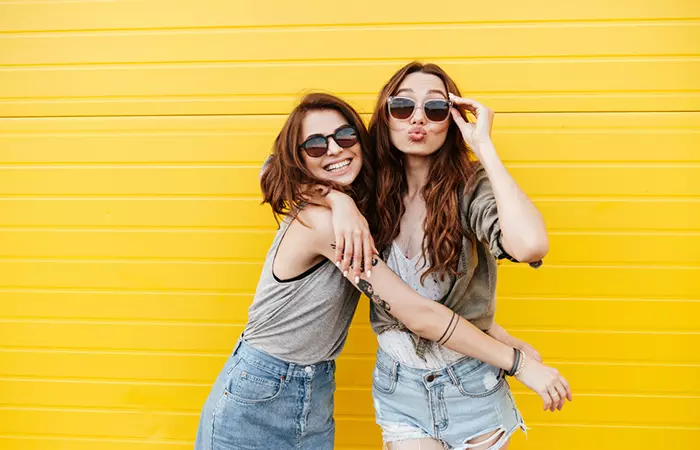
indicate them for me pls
(521, 365)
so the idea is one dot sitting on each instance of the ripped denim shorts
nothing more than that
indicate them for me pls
(454, 405)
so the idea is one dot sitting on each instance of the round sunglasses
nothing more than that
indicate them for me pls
(316, 145)
(436, 110)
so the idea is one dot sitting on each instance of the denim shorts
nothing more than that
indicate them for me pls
(454, 405)
(261, 402)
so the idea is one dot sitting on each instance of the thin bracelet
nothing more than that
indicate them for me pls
(454, 327)
(516, 363)
(520, 367)
(439, 341)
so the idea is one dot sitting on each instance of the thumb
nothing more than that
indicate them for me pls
(457, 117)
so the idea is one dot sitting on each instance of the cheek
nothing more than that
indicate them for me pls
(313, 165)
(440, 132)
(396, 131)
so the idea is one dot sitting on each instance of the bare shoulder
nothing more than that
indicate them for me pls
(318, 221)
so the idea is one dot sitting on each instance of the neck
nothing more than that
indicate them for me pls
(417, 170)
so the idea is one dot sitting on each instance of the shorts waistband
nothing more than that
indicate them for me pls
(279, 367)
(451, 373)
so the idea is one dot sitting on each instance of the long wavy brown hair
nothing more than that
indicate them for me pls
(286, 182)
(451, 169)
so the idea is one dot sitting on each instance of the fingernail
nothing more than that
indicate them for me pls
(345, 274)
(369, 274)
(357, 280)
(337, 263)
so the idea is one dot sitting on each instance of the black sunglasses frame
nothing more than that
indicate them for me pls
(303, 145)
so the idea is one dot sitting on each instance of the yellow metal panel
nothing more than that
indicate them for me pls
(577, 345)
(251, 245)
(131, 235)
(21, 16)
(555, 84)
(241, 277)
(353, 43)
(537, 179)
(587, 214)
(524, 138)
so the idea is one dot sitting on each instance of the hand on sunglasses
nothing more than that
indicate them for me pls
(475, 134)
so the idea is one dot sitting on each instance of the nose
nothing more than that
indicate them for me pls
(333, 147)
(418, 117)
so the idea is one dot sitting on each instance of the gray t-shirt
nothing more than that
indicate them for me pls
(303, 320)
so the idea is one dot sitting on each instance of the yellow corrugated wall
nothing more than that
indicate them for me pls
(131, 132)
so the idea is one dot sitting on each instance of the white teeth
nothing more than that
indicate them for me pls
(338, 166)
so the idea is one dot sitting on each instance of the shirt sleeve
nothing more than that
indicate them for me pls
(481, 219)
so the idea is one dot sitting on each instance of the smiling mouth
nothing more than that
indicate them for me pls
(337, 167)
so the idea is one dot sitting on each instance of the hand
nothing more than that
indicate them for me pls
(528, 349)
(474, 134)
(547, 382)
(354, 245)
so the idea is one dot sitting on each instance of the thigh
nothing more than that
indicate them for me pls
(493, 440)
(416, 444)
(320, 426)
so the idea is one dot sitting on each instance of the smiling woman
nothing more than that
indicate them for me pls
(132, 237)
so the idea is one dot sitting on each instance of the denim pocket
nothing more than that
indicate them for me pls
(384, 378)
(250, 384)
(481, 381)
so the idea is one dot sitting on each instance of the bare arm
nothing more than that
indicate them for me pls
(433, 321)
(499, 333)
(522, 225)
(524, 235)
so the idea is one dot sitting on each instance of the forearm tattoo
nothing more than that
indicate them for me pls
(366, 288)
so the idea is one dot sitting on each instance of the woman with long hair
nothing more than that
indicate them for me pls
(446, 210)
(276, 389)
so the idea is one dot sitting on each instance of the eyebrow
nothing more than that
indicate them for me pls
(432, 91)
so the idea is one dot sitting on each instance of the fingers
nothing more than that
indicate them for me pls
(347, 254)
(457, 116)
(367, 248)
(554, 395)
(547, 399)
(464, 126)
(561, 391)
(357, 256)
(472, 105)
(339, 247)
(565, 383)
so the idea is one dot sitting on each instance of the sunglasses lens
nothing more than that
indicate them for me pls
(437, 110)
(346, 137)
(401, 108)
(316, 146)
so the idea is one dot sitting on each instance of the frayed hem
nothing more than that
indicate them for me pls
(502, 440)
(393, 432)
(385, 444)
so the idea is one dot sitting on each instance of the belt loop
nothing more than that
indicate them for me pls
(453, 376)
(290, 372)
(238, 345)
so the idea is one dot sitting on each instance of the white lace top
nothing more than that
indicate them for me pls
(399, 344)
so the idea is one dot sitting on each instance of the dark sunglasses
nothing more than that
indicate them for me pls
(316, 145)
(436, 110)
